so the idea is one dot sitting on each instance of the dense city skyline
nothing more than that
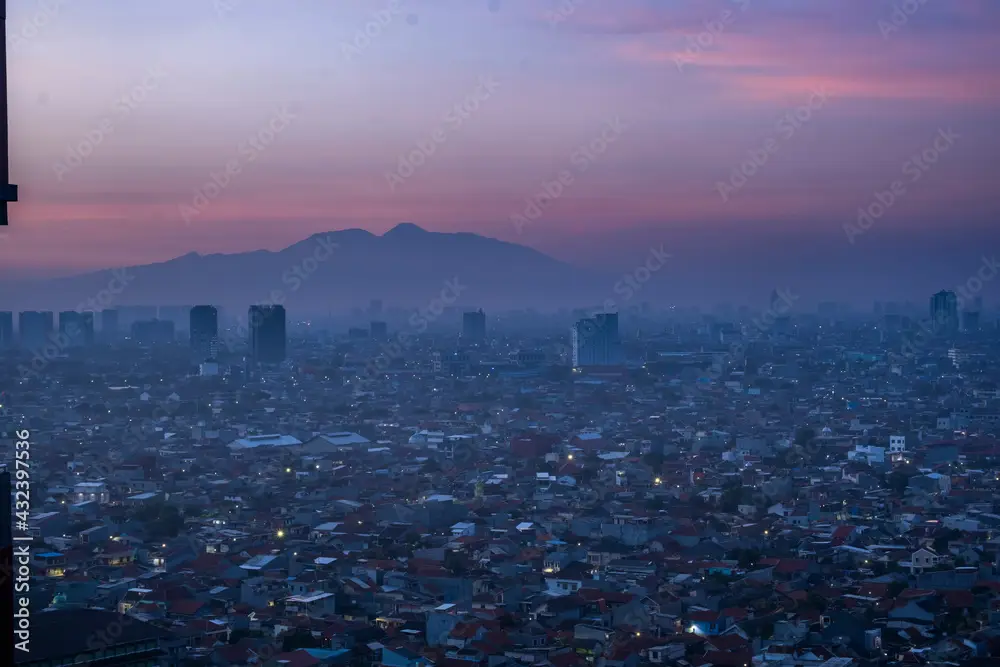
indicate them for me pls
(501, 333)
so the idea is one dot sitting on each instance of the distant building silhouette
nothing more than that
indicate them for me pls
(268, 344)
(970, 321)
(971, 316)
(596, 341)
(779, 310)
(77, 328)
(109, 325)
(153, 332)
(379, 331)
(474, 326)
(36, 328)
(204, 328)
(179, 315)
(130, 314)
(6, 328)
(944, 311)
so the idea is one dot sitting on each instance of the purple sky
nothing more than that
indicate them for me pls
(692, 111)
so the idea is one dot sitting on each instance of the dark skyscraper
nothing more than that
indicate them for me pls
(944, 311)
(36, 328)
(267, 334)
(204, 327)
(971, 316)
(970, 321)
(77, 328)
(109, 325)
(6, 328)
(379, 331)
(474, 326)
(779, 311)
(596, 341)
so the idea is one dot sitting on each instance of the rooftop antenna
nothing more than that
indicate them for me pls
(8, 192)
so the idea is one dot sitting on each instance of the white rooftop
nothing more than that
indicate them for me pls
(344, 438)
(257, 562)
(329, 526)
(265, 441)
(310, 597)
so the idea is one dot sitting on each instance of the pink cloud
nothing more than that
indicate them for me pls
(773, 68)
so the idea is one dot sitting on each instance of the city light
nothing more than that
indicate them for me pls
(443, 378)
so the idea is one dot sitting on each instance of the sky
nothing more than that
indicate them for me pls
(647, 111)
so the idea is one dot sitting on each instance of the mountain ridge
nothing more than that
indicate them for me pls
(405, 266)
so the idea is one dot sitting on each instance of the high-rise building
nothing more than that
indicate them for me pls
(971, 316)
(6, 328)
(153, 332)
(36, 328)
(268, 344)
(944, 311)
(109, 325)
(970, 321)
(779, 310)
(379, 330)
(596, 341)
(76, 328)
(474, 326)
(375, 307)
(204, 326)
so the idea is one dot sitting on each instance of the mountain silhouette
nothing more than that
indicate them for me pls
(407, 266)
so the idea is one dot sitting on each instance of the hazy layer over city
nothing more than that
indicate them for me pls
(745, 138)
